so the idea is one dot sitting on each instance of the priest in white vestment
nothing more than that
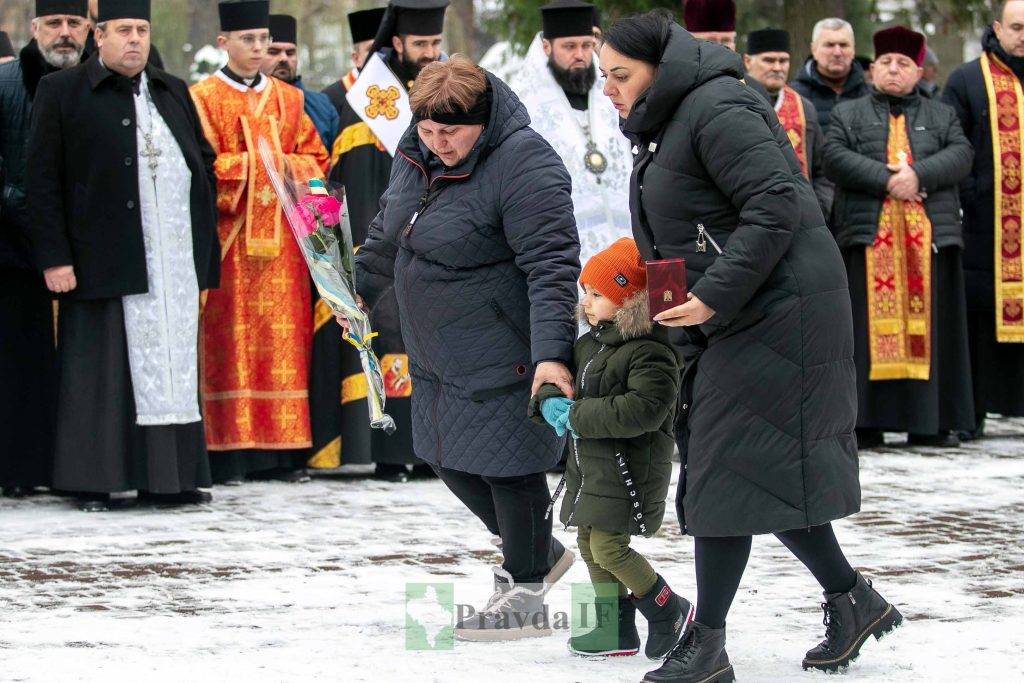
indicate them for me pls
(557, 81)
(123, 211)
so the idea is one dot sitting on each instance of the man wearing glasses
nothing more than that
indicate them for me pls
(257, 328)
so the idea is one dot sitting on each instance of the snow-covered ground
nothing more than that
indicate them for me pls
(277, 582)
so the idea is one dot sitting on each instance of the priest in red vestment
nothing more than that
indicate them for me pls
(257, 328)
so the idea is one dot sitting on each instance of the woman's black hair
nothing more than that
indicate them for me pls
(642, 36)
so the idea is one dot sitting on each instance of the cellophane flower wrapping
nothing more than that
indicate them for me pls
(319, 222)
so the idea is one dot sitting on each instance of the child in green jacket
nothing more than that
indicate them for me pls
(619, 465)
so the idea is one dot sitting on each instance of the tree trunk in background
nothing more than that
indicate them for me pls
(799, 19)
(16, 19)
(461, 28)
(203, 23)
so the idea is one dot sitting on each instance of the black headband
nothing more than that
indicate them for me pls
(479, 114)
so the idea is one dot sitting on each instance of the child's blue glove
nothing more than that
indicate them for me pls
(556, 413)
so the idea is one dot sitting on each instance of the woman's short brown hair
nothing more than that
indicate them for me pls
(447, 87)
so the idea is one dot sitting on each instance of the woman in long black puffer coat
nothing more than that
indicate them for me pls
(769, 400)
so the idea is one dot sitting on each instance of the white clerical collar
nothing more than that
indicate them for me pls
(779, 98)
(260, 86)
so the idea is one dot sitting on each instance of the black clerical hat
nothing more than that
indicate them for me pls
(597, 16)
(419, 17)
(284, 29)
(122, 9)
(563, 18)
(409, 17)
(77, 8)
(767, 40)
(6, 49)
(364, 23)
(243, 15)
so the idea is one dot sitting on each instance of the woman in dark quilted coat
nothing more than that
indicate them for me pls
(768, 401)
(477, 236)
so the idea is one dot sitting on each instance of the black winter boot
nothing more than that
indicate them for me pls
(667, 615)
(849, 619)
(699, 657)
(596, 643)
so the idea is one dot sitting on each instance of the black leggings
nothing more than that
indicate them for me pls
(512, 508)
(720, 563)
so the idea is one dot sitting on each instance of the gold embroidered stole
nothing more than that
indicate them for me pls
(794, 122)
(899, 280)
(1006, 108)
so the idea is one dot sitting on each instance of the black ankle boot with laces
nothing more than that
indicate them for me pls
(699, 657)
(850, 618)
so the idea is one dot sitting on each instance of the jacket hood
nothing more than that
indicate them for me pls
(809, 74)
(632, 321)
(508, 115)
(686, 64)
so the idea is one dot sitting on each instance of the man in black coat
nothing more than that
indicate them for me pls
(90, 44)
(28, 362)
(122, 220)
(997, 358)
(766, 61)
(896, 158)
(831, 75)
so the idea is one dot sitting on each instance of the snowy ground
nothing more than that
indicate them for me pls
(276, 582)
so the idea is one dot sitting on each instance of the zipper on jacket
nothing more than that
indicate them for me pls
(425, 199)
(503, 317)
(575, 441)
(416, 331)
(416, 214)
(703, 237)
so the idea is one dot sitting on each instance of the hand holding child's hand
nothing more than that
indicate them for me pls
(556, 413)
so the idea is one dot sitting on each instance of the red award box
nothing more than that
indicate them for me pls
(666, 284)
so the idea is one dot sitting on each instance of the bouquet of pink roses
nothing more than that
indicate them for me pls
(321, 228)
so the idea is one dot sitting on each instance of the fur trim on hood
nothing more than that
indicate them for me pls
(633, 319)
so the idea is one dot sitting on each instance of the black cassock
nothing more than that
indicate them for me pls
(28, 386)
(100, 449)
(942, 403)
(28, 361)
(998, 367)
(84, 210)
(339, 415)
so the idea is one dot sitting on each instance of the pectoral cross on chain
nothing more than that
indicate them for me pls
(152, 154)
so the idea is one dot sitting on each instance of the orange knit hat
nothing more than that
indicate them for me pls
(618, 272)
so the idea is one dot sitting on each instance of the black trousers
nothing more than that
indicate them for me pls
(512, 508)
(720, 563)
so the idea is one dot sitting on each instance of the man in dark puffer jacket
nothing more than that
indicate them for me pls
(923, 389)
(831, 75)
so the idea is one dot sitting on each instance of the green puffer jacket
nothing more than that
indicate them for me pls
(627, 382)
